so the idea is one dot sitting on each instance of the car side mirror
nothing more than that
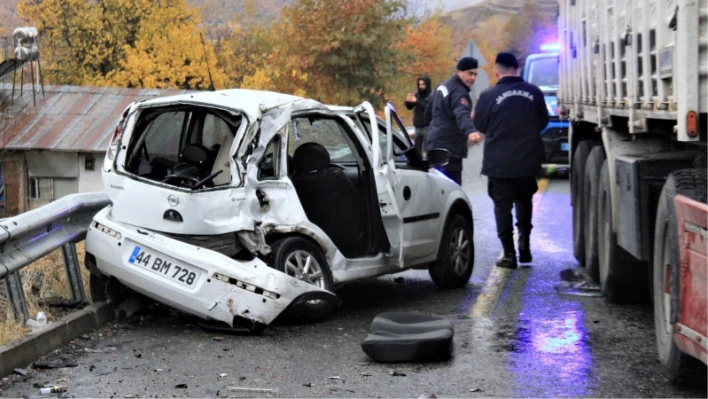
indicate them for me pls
(438, 157)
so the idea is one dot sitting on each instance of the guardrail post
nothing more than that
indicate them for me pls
(73, 272)
(16, 296)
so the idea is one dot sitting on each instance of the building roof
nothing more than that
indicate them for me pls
(65, 118)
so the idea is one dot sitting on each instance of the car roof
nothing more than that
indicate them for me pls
(246, 100)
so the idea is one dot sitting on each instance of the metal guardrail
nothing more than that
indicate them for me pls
(32, 235)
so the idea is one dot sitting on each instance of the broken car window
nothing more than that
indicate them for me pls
(327, 132)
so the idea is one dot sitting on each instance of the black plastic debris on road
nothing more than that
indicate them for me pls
(181, 386)
(398, 374)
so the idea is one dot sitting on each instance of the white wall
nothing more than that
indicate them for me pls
(90, 180)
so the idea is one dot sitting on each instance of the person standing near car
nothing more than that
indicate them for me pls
(450, 118)
(511, 116)
(417, 102)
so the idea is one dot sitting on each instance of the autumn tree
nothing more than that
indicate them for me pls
(243, 47)
(526, 29)
(168, 52)
(91, 41)
(335, 51)
(427, 50)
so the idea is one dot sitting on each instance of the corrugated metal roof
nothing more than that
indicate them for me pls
(66, 118)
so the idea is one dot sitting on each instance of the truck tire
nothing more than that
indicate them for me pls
(591, 184)
(577, 178)
(621, 276)
(676, 365)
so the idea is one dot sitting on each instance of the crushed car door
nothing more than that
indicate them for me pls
(390, 213)
(409, 208)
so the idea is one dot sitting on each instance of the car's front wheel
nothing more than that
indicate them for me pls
(455, 256)
(300, 258)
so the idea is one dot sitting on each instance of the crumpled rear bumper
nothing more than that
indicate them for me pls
(221, 289)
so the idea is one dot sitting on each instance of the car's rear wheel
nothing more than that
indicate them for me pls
(455, 256)
(101, 287)
(300, 258)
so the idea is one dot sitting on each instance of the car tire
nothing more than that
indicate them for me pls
(591, 183)
(577, 178)
(622, 277)
(288, 255)
(676, 365)
(455, 256)
(106, 289)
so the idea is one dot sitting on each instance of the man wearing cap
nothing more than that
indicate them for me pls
(511, 115)
(449, 111)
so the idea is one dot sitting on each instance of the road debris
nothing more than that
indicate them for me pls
(181, 386)
(218, 339)
(309, 385)
(335, 377)
(54, 389)
(222, 375)
(366, 374)
(398, 374)
(57, 364)
(582, 288)
(476, 390)
(19, 372)
(257, 390)
(427, 396)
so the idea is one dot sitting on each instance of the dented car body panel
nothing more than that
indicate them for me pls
(229, 165)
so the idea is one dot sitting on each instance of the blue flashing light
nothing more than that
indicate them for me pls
(550, 47)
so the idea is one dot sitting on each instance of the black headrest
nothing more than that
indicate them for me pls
(195, 154)
(310, 157)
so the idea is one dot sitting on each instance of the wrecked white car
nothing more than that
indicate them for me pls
(237, 205)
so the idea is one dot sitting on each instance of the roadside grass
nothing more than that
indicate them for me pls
(42, 280)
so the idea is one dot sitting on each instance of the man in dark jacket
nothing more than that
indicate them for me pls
(450, 117)
(417, 103)
(511, 114)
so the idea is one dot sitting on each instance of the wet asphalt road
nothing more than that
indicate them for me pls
(532, 342)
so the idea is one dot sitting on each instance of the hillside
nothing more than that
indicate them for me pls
(467, 20)
(215, 12)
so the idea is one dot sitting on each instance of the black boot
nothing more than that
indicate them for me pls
(524, 247)
(508, 259)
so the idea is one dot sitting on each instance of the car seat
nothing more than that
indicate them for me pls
(327, 196)
(408, 337)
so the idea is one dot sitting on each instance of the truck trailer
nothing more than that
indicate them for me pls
(634, 87)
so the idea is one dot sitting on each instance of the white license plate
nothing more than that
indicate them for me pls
(565, 147)
(163, 267)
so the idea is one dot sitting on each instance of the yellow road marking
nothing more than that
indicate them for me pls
(494, 286)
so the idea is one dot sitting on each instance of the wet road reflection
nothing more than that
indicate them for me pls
(550, 354)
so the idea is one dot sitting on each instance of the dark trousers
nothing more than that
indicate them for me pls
(453, 170)
(509, 193)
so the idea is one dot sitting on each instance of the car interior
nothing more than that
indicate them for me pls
(334, 182)
(185, 146)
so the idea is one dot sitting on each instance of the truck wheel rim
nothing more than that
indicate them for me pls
(460, 250)
(304, 266)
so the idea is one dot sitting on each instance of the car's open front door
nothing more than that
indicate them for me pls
(385, 187)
